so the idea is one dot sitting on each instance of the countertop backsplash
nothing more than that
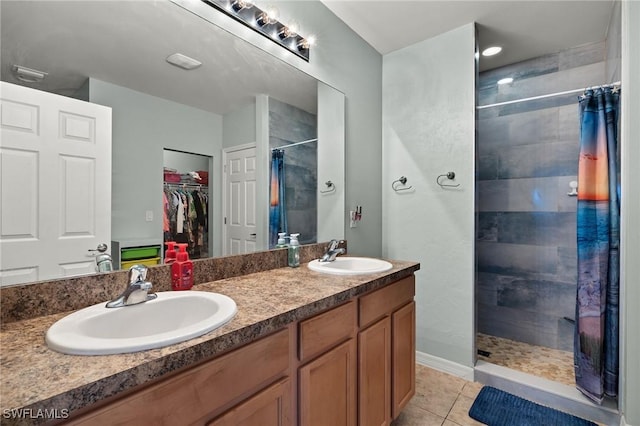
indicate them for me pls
(33, 300)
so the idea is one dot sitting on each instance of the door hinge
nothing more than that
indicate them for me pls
(225, 220)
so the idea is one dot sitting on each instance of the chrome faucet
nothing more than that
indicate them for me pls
(332, 251)
(137, 290)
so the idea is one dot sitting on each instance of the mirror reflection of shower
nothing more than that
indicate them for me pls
(293, 201)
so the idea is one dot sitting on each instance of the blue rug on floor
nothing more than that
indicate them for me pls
(494, 407)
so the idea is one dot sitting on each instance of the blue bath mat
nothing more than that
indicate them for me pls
(494, 407)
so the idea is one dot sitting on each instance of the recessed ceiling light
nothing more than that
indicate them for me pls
(490, 51)
(183, 61)
(505, 80)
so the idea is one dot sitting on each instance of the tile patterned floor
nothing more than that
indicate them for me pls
(551, 364)
(440, 400)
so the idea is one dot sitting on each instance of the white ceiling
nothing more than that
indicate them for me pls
(525, 29)
(126, 42)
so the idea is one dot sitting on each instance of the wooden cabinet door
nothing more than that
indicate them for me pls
(403, 345)
(271, 407)
(328, 388)
(193, 396)
(374, 378)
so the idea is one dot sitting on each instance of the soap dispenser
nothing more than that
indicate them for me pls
(170, 255)
(182, 270)
(282, 242)
(104, 262)
(294, 251)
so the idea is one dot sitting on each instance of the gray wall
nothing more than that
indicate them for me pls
(184, 162)
(428, 129)
(287, 125)
(526, 236)
(331, 163)
(143, 126)
(614, 45)
(342, 60)
(239, 126)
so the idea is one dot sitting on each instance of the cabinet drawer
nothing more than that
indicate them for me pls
(382, 302)
(322, 332)
(271, 407)
(199, 392)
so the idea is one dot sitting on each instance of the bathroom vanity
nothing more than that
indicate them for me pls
(304, 348)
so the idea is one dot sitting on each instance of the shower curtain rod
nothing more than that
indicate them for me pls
(294, 144)
(550, 95)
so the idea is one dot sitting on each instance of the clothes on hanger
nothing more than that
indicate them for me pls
(185, 217)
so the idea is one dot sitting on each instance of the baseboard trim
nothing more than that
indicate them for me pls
(445, 365)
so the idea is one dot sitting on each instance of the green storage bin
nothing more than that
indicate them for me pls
(133, 253)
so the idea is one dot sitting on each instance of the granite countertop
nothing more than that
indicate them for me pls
(35, 377)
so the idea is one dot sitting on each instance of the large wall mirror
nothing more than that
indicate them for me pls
(113, 53)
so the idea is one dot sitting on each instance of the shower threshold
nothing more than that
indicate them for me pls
(546, 392)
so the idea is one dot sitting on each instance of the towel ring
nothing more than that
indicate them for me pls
(330, 187)
(403, 181)
(448, 175)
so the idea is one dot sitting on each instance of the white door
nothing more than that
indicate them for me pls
(55, 184)
(240, 201)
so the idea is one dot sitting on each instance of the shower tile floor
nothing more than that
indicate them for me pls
(544, 362)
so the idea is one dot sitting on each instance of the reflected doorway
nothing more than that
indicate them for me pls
(186, 201)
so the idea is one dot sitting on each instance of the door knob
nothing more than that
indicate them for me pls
(102, 247)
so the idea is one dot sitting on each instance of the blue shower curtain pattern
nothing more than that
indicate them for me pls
(277, 205)
(596, 337)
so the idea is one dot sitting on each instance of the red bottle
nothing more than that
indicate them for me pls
(182, 270)
(170, 255)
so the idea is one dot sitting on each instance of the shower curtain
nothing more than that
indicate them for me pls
(598, 228)
(277, 205)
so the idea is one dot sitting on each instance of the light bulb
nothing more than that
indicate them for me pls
(238, 5)
(268, 16)
(287, 31)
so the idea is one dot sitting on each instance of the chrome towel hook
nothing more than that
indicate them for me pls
(402, 181)
(448, 175)
(330, 187)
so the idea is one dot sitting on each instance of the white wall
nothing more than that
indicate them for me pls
(630, 214)
(143, 125)
(428, 130)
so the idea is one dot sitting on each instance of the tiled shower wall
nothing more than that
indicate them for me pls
(526, 234)
(288, 125)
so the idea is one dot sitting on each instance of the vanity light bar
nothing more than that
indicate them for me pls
(266, 23)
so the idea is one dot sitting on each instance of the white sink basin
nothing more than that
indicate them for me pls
(172, 317)
(344, 265)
